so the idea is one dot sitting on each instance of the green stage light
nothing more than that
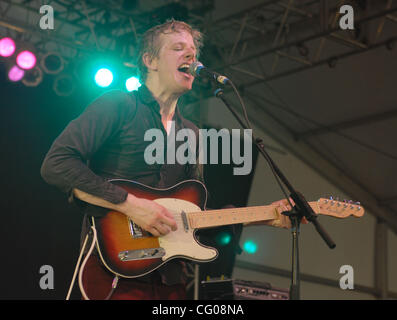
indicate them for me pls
(223, 238)
(250, 247)
(104, 77)
(132, 84)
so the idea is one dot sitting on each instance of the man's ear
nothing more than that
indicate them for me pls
(150, 62)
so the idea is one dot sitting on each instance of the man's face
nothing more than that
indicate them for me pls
(177, 49)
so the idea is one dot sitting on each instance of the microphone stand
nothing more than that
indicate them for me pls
(300, 210)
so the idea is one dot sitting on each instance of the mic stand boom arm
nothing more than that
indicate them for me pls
(300, 210)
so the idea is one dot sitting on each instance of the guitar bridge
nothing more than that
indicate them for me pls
(150, 253)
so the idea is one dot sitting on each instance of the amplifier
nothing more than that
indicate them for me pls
(241, 290)
(254, 290)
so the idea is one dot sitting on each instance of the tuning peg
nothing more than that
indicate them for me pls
(349, 202)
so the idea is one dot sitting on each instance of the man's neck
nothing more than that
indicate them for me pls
(167, 100)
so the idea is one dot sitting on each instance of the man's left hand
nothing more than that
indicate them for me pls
(282, 220)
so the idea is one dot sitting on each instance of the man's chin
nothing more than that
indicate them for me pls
(185, 88)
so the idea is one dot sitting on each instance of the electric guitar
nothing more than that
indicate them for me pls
(128, 251)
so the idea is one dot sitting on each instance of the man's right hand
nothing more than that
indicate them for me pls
(149, 215)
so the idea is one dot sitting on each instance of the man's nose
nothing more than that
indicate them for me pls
(189, 55)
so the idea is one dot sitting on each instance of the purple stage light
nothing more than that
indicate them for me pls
(7, 47)
(15, 74)
(26, 60)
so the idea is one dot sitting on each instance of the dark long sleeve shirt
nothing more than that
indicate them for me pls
(107, 142)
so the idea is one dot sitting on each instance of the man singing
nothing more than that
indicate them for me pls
(107, 142)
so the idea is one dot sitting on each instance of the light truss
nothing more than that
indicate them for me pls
(265, 42)
(293, 36)
(89, 26)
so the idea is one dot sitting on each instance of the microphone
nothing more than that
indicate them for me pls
(197, 69)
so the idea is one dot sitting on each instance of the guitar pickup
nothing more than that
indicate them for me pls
(150, 253)
(136, 231)
(184, 220)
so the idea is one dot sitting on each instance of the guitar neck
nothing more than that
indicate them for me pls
(222, 217)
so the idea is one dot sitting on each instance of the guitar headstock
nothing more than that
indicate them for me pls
(339, 209)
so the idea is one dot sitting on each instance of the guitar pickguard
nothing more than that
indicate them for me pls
(182, 242)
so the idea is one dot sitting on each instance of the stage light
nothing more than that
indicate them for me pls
(52, 63)
(103, 77)
(7, 47)
(132, 84)
(250, 247)
(33, 77)
(223, 238)
(26, 60)
(15, 74)
(64, 85)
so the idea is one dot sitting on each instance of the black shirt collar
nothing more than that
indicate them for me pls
(147, 98)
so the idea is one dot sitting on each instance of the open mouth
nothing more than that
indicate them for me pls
(184, 68)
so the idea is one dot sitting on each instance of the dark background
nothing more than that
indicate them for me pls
(39, 227)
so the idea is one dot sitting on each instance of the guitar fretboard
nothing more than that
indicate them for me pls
(214, 218)
(222, 217)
